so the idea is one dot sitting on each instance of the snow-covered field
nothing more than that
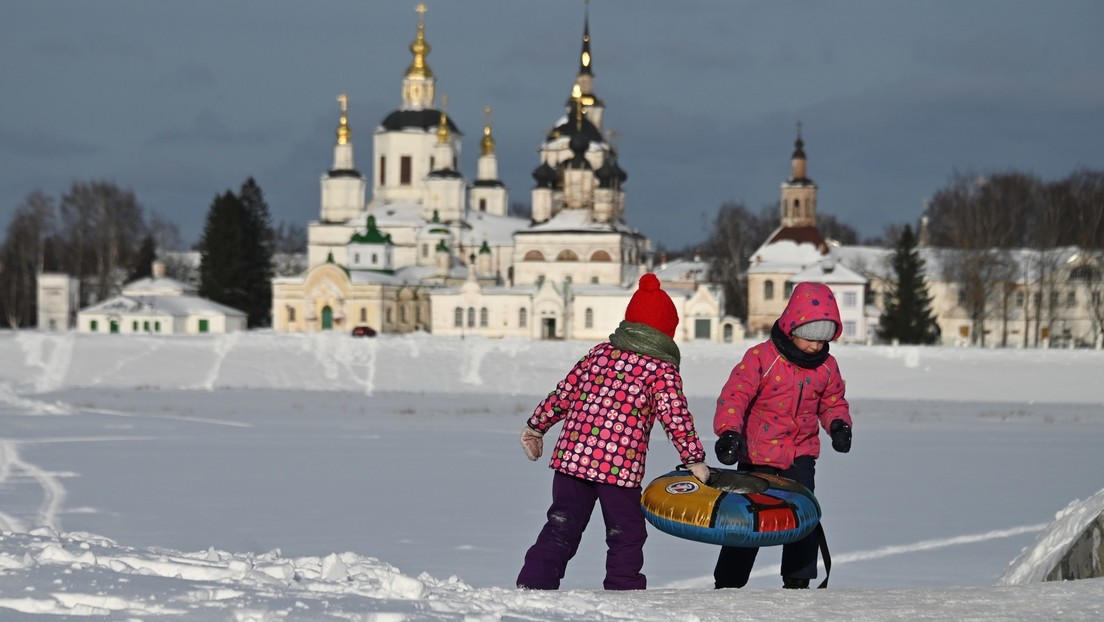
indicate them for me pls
(291, 477)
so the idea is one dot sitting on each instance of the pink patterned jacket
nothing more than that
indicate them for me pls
(609, 402)
(778, 406)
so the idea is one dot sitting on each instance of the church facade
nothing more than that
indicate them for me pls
(431, 251)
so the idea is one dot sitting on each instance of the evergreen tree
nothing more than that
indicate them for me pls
(260, 243)
(143, 260)
(223, 252)
(907, 316)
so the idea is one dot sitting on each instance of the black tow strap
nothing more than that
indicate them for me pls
(824, 555)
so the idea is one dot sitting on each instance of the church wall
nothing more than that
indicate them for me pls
(394, 145)
(323, 239)
(342, 198)
(763, 311)
(592, 317)
(503, 314)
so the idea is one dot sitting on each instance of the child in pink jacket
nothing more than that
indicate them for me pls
(608, 403)
(769, 416)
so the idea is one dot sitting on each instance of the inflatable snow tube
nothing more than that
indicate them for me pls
(736, 508)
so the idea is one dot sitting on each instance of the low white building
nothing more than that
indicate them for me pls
(159, 305)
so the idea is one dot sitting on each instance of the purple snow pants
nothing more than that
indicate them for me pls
(572, 503)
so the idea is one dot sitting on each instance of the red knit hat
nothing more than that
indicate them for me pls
(652, 306)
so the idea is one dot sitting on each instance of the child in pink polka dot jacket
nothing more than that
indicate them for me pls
(608, 402)
(770, 412)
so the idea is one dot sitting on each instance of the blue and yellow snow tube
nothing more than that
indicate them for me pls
(736, 508)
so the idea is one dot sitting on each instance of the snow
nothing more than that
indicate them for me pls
(264, 477)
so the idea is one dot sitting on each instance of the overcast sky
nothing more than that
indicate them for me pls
(180, 101)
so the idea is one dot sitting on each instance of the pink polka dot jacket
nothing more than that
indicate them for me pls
(609, 402)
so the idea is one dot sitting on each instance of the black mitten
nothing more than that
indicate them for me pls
(729, 447)
(841, 436)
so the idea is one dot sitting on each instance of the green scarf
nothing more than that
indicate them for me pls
(644, 339)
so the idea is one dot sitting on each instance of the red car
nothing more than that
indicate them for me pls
(364, 331)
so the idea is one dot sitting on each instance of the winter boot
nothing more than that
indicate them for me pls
(794, 583)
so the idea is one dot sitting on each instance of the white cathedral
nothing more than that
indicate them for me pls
(434, 252)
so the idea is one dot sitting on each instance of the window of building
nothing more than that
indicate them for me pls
(589, 318)
(849, 300)
(1020, 299)
(93, 325)
(404, 313)
(458, 318)
(383, 170)
(567, 255)
(406, 170)
(849, 329)
(291, 314)
(482, 205)
(484, 317)
(594, 280)
(768, 290)
(363, 314)
(523, 318)
(390, 315)
(789, 289)
(600, 256)
(534, 256)
(1084, 273)
(418, 314)
(1071, 299)
(471, 317)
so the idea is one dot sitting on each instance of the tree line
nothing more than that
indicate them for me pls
(101, 235)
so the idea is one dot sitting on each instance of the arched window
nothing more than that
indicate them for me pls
(567, 255)
(484, 318)
(404, 312)
(600, 256)
(768, 290)
(471, 317)
(458, 318)
(534, 256)
(1083, 273)
(523, 318)
(589, 317)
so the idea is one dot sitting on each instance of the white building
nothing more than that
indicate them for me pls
(159, 305)
(431, 251)
(58, 299)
